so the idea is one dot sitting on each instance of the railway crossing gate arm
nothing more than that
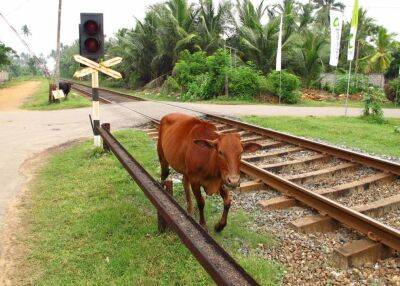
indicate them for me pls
(93, 69)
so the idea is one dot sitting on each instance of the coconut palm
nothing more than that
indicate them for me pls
(307, 55)
(26, 31)
(366, 30)
(257, 41)
(323, 8)
(380, 60)
(211, 24)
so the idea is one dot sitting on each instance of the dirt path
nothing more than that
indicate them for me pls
(14, 250)
(12, 97)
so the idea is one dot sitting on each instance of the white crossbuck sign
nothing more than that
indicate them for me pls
(92, 66)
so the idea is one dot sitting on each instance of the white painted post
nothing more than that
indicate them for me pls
(96, 108)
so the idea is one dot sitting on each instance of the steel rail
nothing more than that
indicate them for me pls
(372, 228)
(353, 219)
(377, 163)
(104, 91)
(215, 260)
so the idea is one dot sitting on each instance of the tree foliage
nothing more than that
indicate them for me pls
(179, 39)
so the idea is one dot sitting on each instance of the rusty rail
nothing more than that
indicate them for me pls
(222, 268)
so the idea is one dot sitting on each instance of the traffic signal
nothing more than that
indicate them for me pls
(91, 36)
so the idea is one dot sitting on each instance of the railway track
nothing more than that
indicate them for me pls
(105, 95)
(348, 188)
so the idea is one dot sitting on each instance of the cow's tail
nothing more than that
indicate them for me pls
(163, 162)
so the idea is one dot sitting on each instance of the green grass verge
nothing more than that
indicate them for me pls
(162, 96)
(40, 100)
(19, 80)
(349, 131)
(90, 224)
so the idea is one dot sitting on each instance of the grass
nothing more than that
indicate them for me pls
(162, 96)
(19, 80)
(40, 100)
(353, 132)
(340, 103)
(89, 224)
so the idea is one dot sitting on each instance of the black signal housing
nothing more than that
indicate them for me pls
(91, 36)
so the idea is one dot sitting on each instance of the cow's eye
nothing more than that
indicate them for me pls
(220, 153)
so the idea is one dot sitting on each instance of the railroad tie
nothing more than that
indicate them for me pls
(362, 183)
(321, 223)
(294, 162)
(252, 158)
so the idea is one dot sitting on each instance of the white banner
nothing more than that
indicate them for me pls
(279, 51)
(336, 32)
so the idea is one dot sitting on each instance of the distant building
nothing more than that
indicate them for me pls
(3, 76)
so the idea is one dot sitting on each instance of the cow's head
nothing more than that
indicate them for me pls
(229, 150)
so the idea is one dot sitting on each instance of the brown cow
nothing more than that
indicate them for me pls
(205, 159)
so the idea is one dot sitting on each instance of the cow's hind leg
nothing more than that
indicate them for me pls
(226, 196)
(163, 162)
(200, 204)
(186, 187)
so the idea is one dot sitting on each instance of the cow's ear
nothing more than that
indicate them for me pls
(206, 143)
(251, 147)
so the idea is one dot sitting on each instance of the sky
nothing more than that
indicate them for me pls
(41, 18)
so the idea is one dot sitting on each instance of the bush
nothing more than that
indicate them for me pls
(358, 84)
(289, 89)
(373, 99)
(199, 88)
(189, 69)
(394, 90)
(244, 82)
(171, 85)
(189, 66)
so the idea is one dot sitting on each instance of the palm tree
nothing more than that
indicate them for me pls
(380, 60)
(175, 30)
(324, 7)
(212, 24)
(366, 29)
(26, 31)
(257, 41)
(307, 55)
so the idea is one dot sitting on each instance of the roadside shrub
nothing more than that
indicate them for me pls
(171, 85)
(373, 99)
(358, 84)
(189, 66)
(289, 89)
(199, 88)
(244, 82)
(394, 88)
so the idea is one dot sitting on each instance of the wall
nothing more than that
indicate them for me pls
(374, 79)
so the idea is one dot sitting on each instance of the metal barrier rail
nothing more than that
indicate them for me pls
(222, 268)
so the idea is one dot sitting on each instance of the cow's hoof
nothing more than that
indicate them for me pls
(219, 227)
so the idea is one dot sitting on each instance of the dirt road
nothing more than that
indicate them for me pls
(12, 97)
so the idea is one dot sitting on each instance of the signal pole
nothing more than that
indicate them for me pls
(58, 45)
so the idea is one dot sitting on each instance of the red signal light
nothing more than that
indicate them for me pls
(92, 45)
(91, 27)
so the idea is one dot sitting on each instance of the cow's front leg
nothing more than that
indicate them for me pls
(226, 196)
(186, 187)
(200, 203)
